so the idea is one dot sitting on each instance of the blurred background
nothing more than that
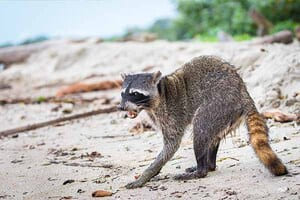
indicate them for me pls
(24, 22)
(61, 136)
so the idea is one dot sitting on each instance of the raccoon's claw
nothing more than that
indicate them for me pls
(190, 169)
(193, 169)
(134, 184)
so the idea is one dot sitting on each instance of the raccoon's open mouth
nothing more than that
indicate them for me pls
(132, 114)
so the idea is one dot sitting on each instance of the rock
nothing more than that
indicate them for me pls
(80, 191)
(290, 102)
(276, 104)
(283, 189)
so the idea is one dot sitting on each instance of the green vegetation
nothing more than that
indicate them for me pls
(32, 40)
(203, 19)
(8, 44)
(37, 39)
(41, 99)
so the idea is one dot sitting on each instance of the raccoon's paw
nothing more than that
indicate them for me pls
(191, 169)
(191, 175)
(134, 184)
(212, 168)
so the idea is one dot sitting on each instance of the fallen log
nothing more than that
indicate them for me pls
(30, 127)
(284, 37)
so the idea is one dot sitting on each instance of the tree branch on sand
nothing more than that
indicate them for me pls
(56, 121)
(48, 100)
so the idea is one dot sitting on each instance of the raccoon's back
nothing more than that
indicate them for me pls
(207, 71)
(198, 68)
(210, 76)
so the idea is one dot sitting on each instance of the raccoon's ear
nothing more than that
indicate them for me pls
(123, 75)
(156, 77)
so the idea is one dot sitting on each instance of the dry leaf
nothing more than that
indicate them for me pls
(137, 176)
(88, 87)
(141, 127)
(148, 68)
(101, 193)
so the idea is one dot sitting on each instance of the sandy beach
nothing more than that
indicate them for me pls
(70, 160)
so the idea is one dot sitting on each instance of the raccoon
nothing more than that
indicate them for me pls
(207, 93)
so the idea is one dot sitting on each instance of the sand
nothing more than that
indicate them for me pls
(100, 153)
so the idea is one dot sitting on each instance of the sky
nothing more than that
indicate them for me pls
(22, 19)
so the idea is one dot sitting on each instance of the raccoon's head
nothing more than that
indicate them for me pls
(139, 91)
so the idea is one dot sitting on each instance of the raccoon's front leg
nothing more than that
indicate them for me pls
(171, 145)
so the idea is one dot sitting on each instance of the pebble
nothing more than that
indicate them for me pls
(283, 189)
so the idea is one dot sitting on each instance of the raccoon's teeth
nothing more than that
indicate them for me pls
(132, 114)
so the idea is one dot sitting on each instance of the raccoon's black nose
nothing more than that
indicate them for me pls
(120, 107)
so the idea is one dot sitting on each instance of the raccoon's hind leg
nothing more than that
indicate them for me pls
(212, 156)
(210, 124)
(211, 159)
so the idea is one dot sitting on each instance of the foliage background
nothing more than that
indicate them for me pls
(203, 19)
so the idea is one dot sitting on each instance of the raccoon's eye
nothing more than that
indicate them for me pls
(134, 93)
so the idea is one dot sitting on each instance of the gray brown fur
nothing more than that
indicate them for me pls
(209, 94)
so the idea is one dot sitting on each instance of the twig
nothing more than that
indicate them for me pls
(55, 121)
(74, 164)
(45, 100)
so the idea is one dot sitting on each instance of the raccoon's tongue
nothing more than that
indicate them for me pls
(132, 114)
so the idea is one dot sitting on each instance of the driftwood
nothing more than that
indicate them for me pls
(56, 121)
(140, 37)
(88, 87)
(285, 37)
(48, 100)
(17, 54)
(278, 116)
(263, 24)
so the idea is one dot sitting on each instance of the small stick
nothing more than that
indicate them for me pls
(55, 121)
(45, 100)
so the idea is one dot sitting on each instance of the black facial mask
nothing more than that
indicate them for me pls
(135, 97)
